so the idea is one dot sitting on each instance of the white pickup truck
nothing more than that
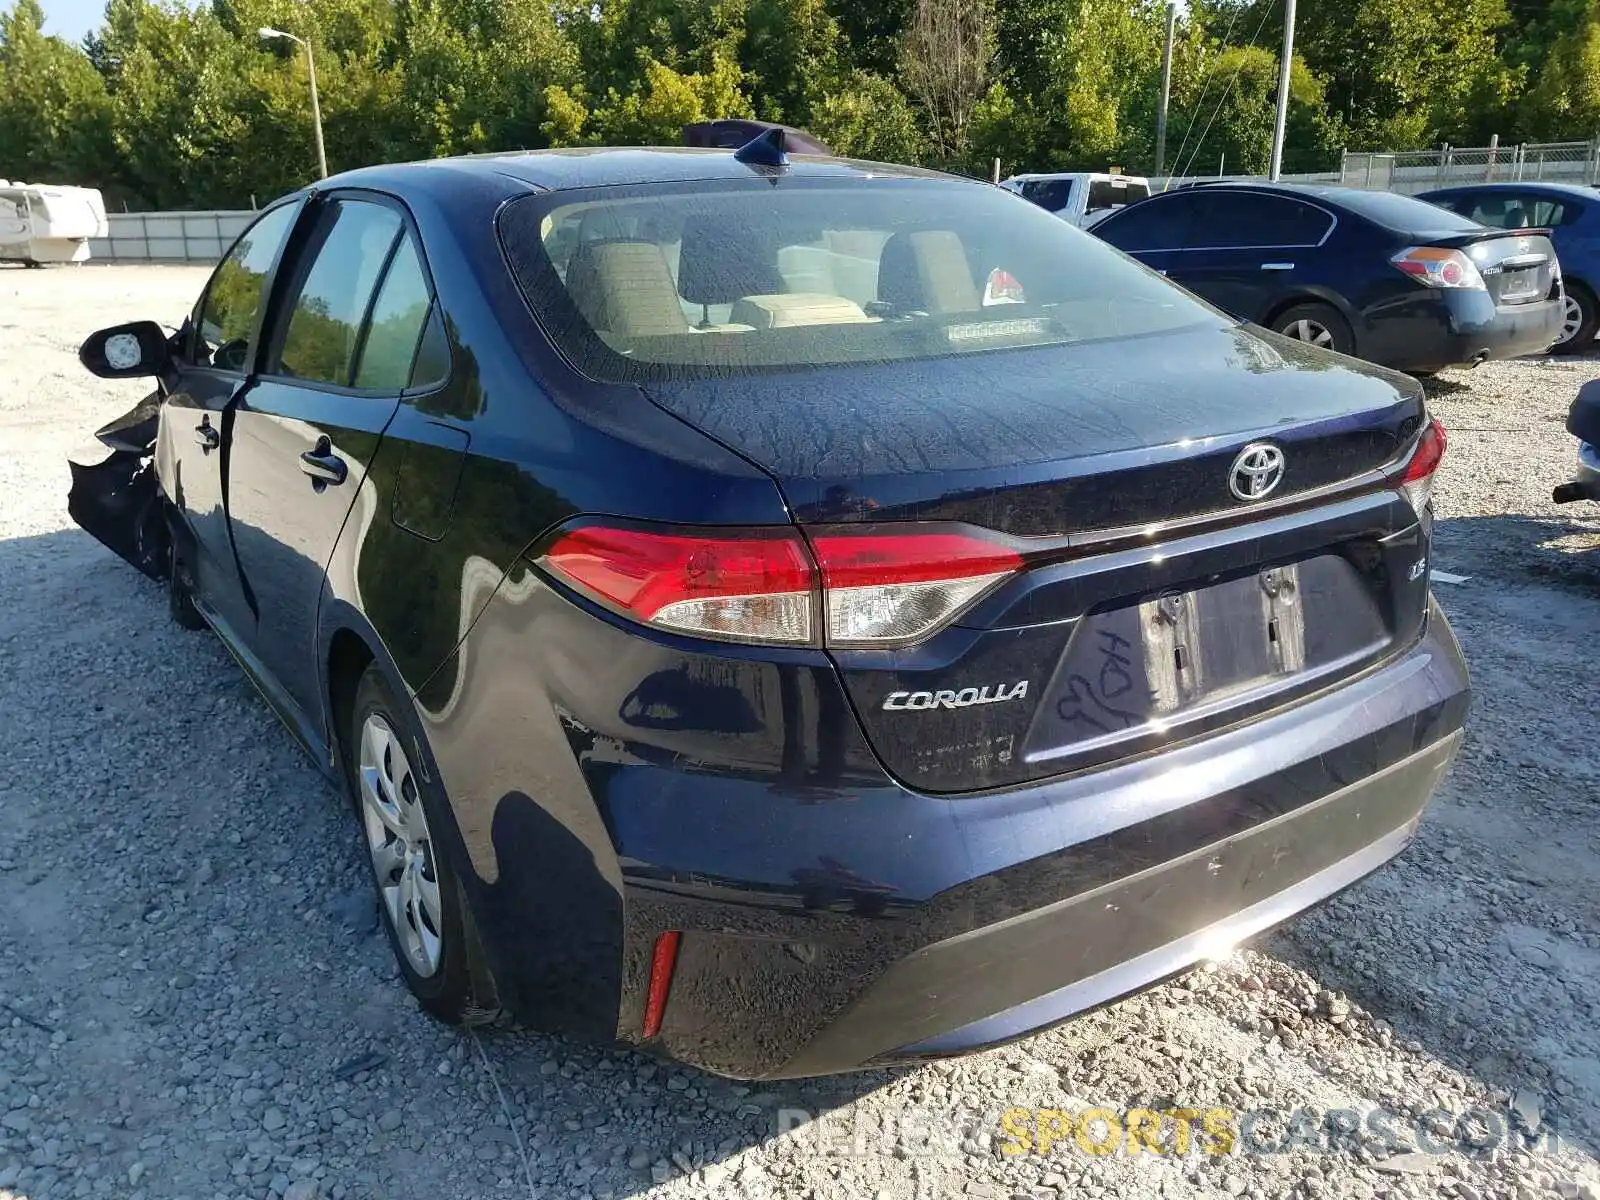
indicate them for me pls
(1079, 197)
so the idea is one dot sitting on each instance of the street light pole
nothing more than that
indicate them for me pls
(1282, 124)
(316, 105)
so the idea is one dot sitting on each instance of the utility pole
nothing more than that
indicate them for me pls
(1282, 123)
(1166, 91)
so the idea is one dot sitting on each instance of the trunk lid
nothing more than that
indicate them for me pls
(1518, 266)
(1059, 440)
(1154, 603)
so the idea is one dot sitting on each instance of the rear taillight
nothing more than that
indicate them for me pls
(1416, 481)
(750, 586)
(872, 587)
(892, 588)
(1437, 266)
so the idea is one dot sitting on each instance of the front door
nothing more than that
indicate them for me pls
(339, 353)
(212, 372)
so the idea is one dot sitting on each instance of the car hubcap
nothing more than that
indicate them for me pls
(1314, 332)
(401, 848)
(1571, 318)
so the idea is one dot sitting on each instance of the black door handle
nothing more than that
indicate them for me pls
(323, 465)
(206, 437)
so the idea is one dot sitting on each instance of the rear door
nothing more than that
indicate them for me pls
(1249, 250)
(345, 328)
(192, 455)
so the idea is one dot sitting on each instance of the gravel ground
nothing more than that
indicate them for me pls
(194, 1001)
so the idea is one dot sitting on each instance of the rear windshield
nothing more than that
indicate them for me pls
(699, 280)
(1114, 193)
(1406, 214)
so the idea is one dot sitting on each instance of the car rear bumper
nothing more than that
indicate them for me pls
(1080, 953)
(1429, 330)
(1037, 903)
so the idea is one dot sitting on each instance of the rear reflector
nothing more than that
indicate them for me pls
(662, 960)
(879, 586)
(1416, 481)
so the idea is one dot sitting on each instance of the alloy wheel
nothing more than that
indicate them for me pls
(400, 845)
(1571, 319)
(1314, 332)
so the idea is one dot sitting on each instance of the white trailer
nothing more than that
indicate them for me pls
(42, 223)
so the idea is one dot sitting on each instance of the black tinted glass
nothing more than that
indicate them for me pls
(233, 297)
(1051, 194)
(319, 342)
(1156, 224)
(1246, 219)
(398, 315)
(1112, 193)
(432, 363)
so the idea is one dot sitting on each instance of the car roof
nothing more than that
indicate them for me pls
(558, 170)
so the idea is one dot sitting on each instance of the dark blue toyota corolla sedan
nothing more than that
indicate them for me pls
(790, 615)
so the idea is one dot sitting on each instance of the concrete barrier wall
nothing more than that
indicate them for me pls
(196, 237)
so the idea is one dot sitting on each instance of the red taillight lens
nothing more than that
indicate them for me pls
(876, 588)
(1437, 266)
(745, 585)
(1416, 481)
(893, 588)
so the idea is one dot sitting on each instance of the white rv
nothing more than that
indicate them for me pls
(42, 224)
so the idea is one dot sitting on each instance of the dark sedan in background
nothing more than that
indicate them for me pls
(1384, 277)
(1569, 216)
(790, 615)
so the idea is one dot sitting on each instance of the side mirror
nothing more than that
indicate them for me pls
(126, 351)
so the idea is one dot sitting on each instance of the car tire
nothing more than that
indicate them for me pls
(1580, 321)
(1319, 325)
(180, 600)
(420, 901)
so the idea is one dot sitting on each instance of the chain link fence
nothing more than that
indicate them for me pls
(1412, 171)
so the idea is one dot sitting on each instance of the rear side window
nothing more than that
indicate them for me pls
(399, 313)
(1112, 193)
(1049, 194)
(351, 246)
(233, 297)
(1236, 220)
(1161, 223)
(665, 282)
(1549, 213)
(1513, 210)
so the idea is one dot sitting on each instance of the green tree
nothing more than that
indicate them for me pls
(1398, 73)
(1561, 53)
(790, 57)
(868, 117)
(54, 114)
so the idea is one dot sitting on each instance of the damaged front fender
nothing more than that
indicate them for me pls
(118, 501)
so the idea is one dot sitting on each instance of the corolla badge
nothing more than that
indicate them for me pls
(1256, 472)
(994, 693)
